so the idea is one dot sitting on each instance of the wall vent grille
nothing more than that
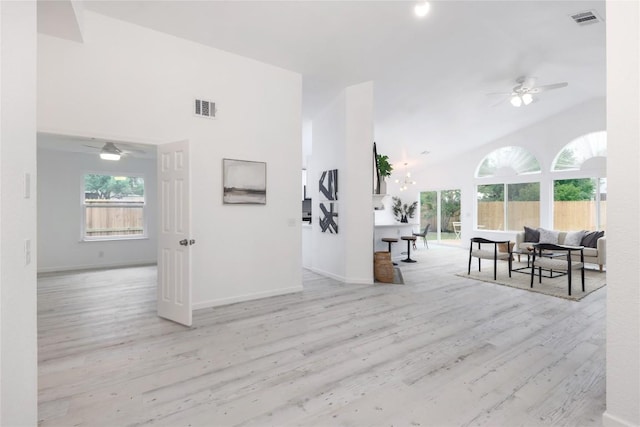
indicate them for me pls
(203, 108)
(586, 18)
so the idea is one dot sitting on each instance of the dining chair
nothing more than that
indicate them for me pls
(423, 235)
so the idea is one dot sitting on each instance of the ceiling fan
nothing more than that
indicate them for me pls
(522, 93)
(111, 152)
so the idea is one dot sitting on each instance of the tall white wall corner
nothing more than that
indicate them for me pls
(623, 181)
(18, 337)
(342, 139)
(358, 185)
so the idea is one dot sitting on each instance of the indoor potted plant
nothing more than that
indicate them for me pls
(384, 170)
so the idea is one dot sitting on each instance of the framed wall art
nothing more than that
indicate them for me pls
(328, 187)
(244, 182)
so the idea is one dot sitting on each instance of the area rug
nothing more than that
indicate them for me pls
(556, 287)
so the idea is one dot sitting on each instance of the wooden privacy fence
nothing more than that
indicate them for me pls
(114, 220)
(578, 215)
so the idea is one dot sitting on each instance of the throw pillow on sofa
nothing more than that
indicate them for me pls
(574, 238)
(590, 239)
(531, 235)
(548, 236)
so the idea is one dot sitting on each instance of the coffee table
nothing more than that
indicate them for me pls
(527, 270)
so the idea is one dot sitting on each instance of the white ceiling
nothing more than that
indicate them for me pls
(431, 75)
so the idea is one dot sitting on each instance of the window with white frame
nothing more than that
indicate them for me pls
(510, 160)
(511, 202)
(580, 184)
(113, 207)
(508, 206)
(582, 153)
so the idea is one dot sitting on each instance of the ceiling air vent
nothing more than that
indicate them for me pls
(205, 108)
(586, 18)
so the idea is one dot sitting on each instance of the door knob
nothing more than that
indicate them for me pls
(184, 242)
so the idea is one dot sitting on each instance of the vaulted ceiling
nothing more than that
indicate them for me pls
(431, 75)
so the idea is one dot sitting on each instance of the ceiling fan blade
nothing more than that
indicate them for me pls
(545, 88)
(92, 146)
(126, 148)
(502, 101)
(498, 93)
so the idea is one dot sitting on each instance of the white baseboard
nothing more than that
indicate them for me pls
(61, 269)
(341, 278)
(609, 420)
(360, 281)
(245, 297)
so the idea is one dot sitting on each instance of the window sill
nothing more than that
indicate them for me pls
(114, 239)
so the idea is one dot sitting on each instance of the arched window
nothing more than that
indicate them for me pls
(508, 161)
(584, 152)
(508, 206)
(580, 184)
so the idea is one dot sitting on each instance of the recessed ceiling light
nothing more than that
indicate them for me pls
(421, 9)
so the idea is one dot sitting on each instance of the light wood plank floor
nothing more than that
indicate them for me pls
(439, 351)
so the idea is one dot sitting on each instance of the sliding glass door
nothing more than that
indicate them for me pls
(441, 209)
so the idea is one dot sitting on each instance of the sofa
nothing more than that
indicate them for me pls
(597, 255)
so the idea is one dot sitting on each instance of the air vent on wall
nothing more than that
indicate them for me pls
(205, 108)
(586, 18)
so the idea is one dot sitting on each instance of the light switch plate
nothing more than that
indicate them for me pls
(27, 252)
(27, 185)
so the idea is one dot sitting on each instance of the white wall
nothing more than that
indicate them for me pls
(129, 83)
(60, 214)
(623, 228)
(18, 345)
(343, 140)
(544, 140)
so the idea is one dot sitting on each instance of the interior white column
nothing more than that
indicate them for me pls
(623, 226)
(343, 140)
(18, 339)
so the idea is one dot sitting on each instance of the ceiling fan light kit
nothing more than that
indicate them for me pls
(110, 152)
(521, 99)
(109, 156)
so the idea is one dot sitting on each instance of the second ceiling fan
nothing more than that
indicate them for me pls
(522, 93)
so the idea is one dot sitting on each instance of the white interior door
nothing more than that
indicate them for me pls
(174, 239)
